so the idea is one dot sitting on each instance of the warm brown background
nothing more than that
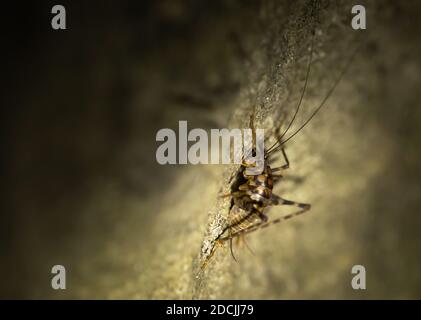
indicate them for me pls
(81, 186)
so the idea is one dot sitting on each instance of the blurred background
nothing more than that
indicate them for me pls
(81, 186)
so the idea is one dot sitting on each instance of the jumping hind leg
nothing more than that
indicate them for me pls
(275, 200)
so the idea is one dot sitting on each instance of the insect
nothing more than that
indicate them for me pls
(252, 195)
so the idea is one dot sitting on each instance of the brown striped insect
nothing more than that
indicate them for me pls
(252, 195)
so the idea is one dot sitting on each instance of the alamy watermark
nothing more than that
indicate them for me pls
(58, 282)
(58, 22)
(226, 146)
(358, 281)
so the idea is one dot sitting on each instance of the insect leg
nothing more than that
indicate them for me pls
(217, 244)
(286, 165)
(284, 154)
(240, 238)
(232, 251)
(276, 200)
(240, 193)
(304, 208)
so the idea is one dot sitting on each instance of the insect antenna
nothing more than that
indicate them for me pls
(280, 143)
(297, 109)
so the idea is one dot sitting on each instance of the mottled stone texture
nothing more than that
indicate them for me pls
(82, 187)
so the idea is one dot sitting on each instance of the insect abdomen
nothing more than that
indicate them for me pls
(261, 186)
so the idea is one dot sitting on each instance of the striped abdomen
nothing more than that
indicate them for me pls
(260, 186)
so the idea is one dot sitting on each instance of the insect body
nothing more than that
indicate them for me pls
(252, 194)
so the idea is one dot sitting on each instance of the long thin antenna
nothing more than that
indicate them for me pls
(344, 70)
(297, 109)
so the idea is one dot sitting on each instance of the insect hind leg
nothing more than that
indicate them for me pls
(276, 200)
(304, 208)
